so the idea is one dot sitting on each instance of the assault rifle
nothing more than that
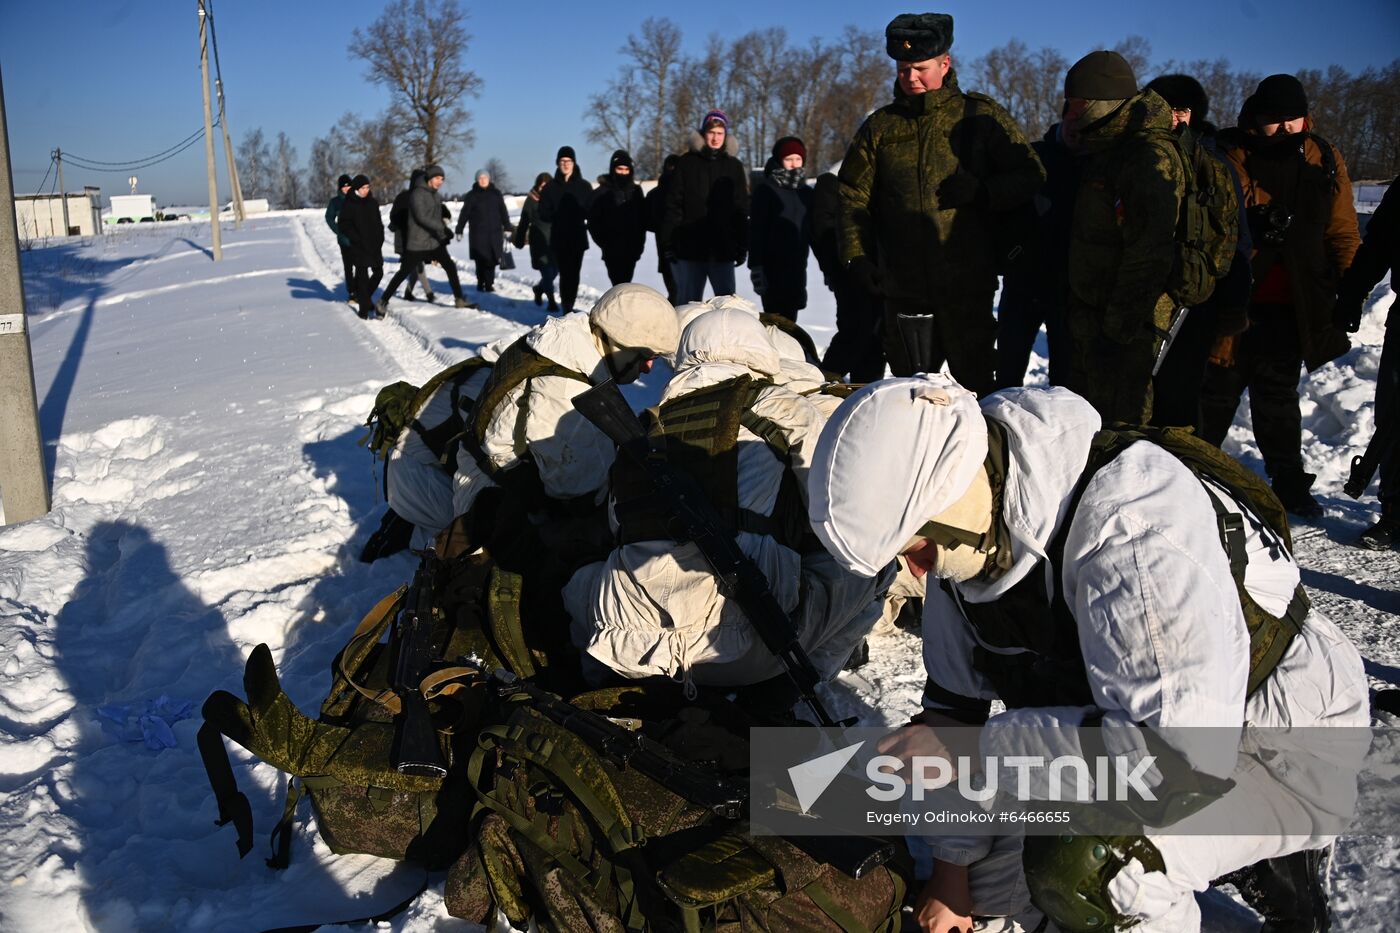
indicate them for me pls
(1364, 467)
(1168, 338)
(693, 518)
(723, 796)
(416, 749)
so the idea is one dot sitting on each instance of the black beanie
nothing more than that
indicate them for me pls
(1182, 92)
(433, 171)
(342, 181)
(620, 157)
(1101, 75)
(359, 181)
(917, 37)
(565, 152)
(1280, 96)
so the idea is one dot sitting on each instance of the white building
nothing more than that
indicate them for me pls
(41, 215)
(132, 208)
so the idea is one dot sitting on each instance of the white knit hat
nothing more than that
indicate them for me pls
(637, 316)
(895, 454)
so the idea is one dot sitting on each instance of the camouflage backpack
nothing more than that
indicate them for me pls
(342, 759)
(569, 839)
(1207, 225)
(398, 405)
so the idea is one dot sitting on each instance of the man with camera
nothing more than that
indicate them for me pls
(1299, 204)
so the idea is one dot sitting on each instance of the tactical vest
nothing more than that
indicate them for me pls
(517, 365)
(699, 433)
(1045, 666)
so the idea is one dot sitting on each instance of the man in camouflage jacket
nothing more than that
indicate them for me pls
(1122, 242)
(921, 186)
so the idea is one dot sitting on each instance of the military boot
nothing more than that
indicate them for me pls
(1385, 533)
(464, 303)
(1294, 490)
(393, 535)
(1288, 891)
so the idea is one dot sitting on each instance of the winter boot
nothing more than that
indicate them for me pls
(429, 295)
(464, 303)
(1288, 891)
(553, 305)
(860, 656)
(539, 296)
(1294, 491)
(393, 535)
(1386, 701)
(382, 306)
(1385, 533)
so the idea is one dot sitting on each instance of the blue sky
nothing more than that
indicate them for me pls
(113, 80)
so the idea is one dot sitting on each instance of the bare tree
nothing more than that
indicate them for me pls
(415, 49)
(326, 163)
(1030, 85)
(499, 176)
(374, 147)
(286, 178)
(1138, 51)
(655, 61)
(618, 112)
(254, 160)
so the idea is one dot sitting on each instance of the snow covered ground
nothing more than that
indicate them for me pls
(201, 422)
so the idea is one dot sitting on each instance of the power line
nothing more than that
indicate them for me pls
(40, 189)
(121, 166)
(95, 166)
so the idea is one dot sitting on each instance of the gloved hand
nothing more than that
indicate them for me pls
(759, 280)
(958, 190)
(740, 257)
(866, 275)
(1346, 314)
(344, 240)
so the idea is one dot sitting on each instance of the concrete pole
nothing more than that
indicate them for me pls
(24, 487)
(238, 214)
(62, 191)
(218, 249)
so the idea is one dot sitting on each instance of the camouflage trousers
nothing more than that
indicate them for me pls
(1114, 375)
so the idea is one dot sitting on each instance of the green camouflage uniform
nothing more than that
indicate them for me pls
(1122, 246)
(936, 262)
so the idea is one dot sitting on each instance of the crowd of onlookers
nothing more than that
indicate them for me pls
(1173, 263)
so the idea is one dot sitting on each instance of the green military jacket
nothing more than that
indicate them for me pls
(1122, 243)
(899, 157)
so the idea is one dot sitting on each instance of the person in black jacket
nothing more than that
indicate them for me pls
(656, 215)
(857, 348)
(706, 227)
(535, 232)
(342, 187)
(564, 206)
(1379, 252)
(398, 226)
(484, 212)
(617, 219)
(361, 224)
(780, 230)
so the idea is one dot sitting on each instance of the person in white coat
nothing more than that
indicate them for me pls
(981, 497)
(525, 435)
(653, 607)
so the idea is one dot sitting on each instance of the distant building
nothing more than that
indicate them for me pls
(132, 208)
(41, 215)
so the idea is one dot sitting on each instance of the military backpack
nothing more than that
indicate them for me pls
(399, 405)
(1207, 224)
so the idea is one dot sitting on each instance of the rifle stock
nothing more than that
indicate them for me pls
(1363, 468)
(415, 749)
(696, 520)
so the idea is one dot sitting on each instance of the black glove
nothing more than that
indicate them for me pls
(1346, 314)
(759, 280)
(866, 275)
(958, 190)
(740, 257)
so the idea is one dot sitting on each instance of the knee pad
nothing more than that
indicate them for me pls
(1068, 877)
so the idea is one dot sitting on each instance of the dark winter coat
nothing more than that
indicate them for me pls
(707, 205)
(1322, 238)
(361, 224)
(656, 214)
(618, 220)
(425, 229)
(826, 224)
(1043, 272)
(398, 220)
(780, 231)
(484, 213)
(535, 232)
(564, 206)
(333, 214)
(894, 166)
(1379, 252)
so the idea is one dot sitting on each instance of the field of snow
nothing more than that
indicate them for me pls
(201, 422)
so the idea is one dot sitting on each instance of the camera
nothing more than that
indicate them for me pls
(1269, 223)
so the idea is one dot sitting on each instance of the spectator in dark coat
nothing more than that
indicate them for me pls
(1379, 253)
(1035, 288)
(706, 227)
(564, 206)
(617, 219)
(856, 349)
(398, 221)
(780, 230)
(656, 215)
(484, 213)
(332, 215)
(535, 232)
(360, 223)
(426, 235)
(1176, 389)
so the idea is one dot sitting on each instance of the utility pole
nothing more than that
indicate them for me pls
(238, 215)
(62, 191)
(209, 131)
(24, 487)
